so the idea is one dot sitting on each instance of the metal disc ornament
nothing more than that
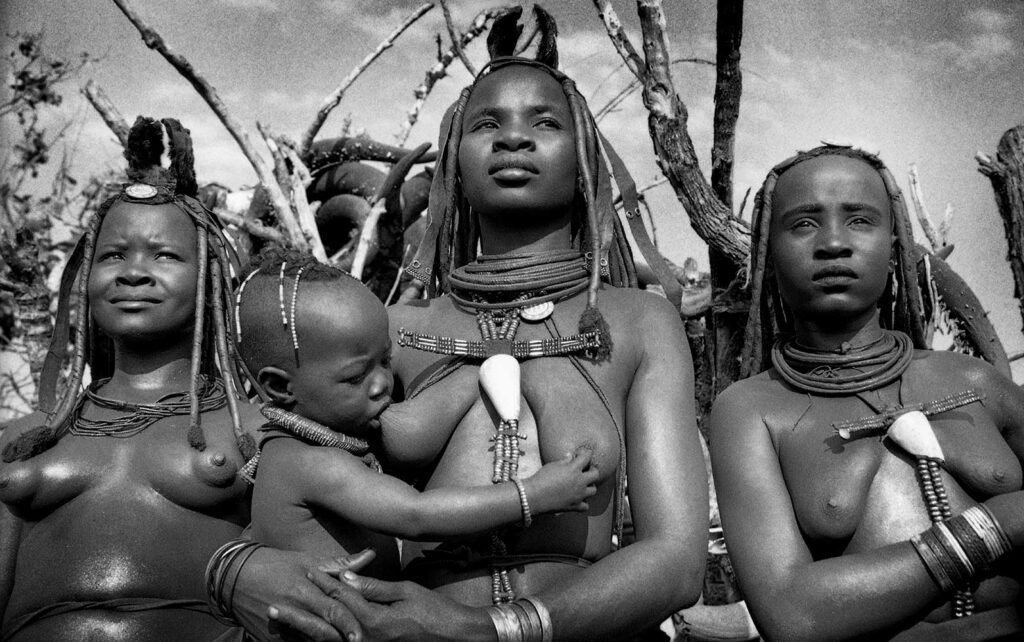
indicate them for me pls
(140, 190)
(537, 312)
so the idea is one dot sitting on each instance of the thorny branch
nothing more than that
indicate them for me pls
(456, 38)
(332, 100)
(439, 69)
(936, 236)
(113, 118)
(276, 196)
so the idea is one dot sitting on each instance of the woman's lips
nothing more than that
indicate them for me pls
(832, 275)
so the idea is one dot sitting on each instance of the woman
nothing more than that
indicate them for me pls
(116, 497)
(839, 526)
(521, 173)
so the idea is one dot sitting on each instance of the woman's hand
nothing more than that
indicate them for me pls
(277, 596)
(398, 611)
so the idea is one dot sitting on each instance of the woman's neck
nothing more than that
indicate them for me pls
(512, 236)
(831, 336)
(147, 373)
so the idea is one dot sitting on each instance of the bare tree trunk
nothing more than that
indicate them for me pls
(1007, 175)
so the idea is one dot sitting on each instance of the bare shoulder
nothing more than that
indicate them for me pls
(634, 305)
(408, 312)
(964, 371)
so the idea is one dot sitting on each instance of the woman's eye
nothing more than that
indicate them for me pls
(109, 256)
(485, 124)
(550, 123)
(168, 255)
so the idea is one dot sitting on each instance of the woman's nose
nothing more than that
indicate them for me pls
(833, 241)
(134, 272)
(513, 138)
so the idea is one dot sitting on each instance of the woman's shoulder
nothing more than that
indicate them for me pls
(954, 371)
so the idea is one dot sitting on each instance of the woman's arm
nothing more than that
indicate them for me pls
(10, 536)
(791, 596)
(338, 483)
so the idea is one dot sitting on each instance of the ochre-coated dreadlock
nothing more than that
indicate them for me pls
(767, 318)
(213, 353)
(452, 236)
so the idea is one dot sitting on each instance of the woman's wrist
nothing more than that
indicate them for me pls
(222, 572)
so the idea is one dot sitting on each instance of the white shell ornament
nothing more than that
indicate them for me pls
(537, 312)
(913, 433)
(140, 190)
(499, 377)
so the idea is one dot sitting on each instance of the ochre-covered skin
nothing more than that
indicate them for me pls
(819, 527)
(122, 518)
(133, 519)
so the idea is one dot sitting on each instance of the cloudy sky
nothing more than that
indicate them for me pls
(929, 83)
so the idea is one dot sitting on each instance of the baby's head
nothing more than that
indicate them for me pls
(316, 340)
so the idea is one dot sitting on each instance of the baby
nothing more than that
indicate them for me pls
(317, 341)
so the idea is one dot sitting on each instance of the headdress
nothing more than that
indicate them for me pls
(904, 305)
(213, 353)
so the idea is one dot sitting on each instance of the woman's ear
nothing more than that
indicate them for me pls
(277, 384)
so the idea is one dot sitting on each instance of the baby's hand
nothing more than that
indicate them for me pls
(563, 485)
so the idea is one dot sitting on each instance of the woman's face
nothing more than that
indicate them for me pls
(142, 284)
(831, 239)
(518, 152)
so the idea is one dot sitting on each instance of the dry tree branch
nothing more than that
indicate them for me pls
(304, 222)
(455, 38)
(935, 239)
(667, 116)
(113, 118)
(613, 26)
(277, 198)
(633, 85)
(439, 70)
(332, 100)
(250, 225)
(728, 89)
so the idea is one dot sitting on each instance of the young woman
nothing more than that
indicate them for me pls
(602, 367)
(848, 516)
(116, 497)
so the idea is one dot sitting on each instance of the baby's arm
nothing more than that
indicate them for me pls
(335, 481)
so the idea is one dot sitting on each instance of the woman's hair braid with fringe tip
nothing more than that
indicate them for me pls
(213, 353)
(767, 318)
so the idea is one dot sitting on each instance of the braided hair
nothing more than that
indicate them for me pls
(277, 271)
(213, 354)
(906, 311)
(451, 237)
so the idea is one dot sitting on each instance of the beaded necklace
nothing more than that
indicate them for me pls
(846, 371)
(311, 431)
(139, 416)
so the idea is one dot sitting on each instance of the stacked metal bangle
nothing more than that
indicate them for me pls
(221, 574)
(524, 620)
(527, 515)
(957, 550)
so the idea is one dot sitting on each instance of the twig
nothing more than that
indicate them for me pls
(455, 38)
(332, 100)
(252, 226)
(304, 219)
(438, 70)
(618, 36)
(113, 118)
(154, 41)
(633, 85)
(917, 196)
